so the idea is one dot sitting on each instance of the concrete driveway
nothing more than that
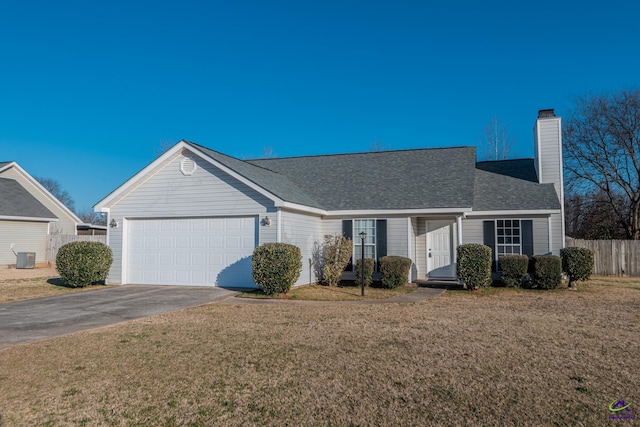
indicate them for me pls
(36, 319)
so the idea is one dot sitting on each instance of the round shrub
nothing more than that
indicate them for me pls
(276, 267)
(577, 263)
(513, 268)
(394, 271)
(547, 272)
(84, 263)
(474, 265)
(368, 271)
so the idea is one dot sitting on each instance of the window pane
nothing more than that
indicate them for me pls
(507, 223)
(500, 240)
(500, 223)
(516, 240)
(516, 223)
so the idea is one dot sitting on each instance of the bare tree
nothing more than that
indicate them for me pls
(602, 154)
(56, 190)
(377, 146)
(89, 216)
(496, 141)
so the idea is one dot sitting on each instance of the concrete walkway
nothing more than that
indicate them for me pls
(421, 293)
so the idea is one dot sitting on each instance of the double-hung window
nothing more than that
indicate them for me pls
(369, 227)
(509, 240)
(375, 244)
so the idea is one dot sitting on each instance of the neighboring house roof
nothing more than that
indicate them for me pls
(511, 185)
(18, 202)
(4, 166)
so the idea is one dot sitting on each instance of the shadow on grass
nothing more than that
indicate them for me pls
(59, 281)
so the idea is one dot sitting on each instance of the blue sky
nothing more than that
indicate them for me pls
(90, 91)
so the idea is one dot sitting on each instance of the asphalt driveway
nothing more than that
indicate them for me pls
(36, 319)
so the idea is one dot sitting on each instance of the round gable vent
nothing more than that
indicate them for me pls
(188, 166)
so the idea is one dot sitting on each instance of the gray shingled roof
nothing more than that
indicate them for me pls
(429, 178)
(511, 184)
(18, 202)
(407, 179)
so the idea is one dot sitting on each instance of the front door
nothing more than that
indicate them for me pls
(439, 250)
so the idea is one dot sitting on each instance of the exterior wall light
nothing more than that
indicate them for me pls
(267, 221)
(113, 223)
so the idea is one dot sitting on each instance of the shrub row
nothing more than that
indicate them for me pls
(474, 267)
(546, 270)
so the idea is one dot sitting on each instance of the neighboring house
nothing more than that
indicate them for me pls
(194, 215)
(28, 215)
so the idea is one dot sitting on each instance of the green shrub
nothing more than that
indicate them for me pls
(337, 252)
(394, 271)
(84, 263)
(368, 271)
(513, 268)
(547, 272)
(474, 265)
(577, 263)
(276, 267)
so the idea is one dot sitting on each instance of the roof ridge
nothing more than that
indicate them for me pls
(365, 152)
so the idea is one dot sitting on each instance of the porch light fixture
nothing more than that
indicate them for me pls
(267, 221)
(363, 236)
(113, 223)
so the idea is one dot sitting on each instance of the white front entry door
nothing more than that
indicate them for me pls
(439, 250)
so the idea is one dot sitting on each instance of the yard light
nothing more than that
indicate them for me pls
(363, 236)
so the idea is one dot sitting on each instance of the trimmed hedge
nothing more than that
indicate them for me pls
(513, 268)
(368, 271)
(577, 263)
(547, 272)
(84, 263)
(337, 253)
(474, 265)
(394, 271)
(276, 267)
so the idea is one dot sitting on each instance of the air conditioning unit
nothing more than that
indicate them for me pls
(26, 260)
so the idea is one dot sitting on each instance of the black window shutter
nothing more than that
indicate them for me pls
(381, 240)
(347, 231)
(526, 228)
(489, 239)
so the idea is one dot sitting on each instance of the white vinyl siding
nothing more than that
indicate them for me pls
(397, 236)
(28, 237)
(167, 193)
(66, 224)
(305, 232)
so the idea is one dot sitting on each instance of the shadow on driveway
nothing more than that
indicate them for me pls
(42, 318)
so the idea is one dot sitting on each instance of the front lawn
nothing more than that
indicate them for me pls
(16, 289)
(347, 292)
(510, 357)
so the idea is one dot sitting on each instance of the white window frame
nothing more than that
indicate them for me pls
(508, 234)
(370, 241)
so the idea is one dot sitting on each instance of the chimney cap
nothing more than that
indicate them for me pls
(545, 114)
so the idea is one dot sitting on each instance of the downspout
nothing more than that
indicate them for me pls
(550, 226)
(279, 225)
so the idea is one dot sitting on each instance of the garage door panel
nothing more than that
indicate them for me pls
(196, 252)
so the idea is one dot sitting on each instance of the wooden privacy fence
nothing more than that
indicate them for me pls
(56, 241)
(612, 257)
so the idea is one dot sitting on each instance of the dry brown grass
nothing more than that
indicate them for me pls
(21, 284)
(335, 293)
(506, 357)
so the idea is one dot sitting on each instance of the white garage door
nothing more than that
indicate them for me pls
(192, 252)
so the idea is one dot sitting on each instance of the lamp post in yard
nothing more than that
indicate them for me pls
(363, 236)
